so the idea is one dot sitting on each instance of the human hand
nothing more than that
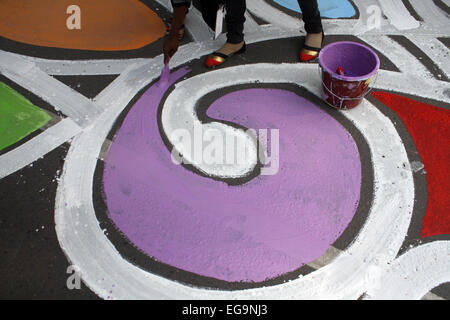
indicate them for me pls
(170, 47)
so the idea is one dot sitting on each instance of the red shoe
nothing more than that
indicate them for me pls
(217, 58)
(309, 53)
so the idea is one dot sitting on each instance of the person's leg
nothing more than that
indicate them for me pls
(313, 28)
(311, 15)
(234, 20)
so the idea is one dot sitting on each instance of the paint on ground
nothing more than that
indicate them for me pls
(429, 127)
(107, 25)
(328, 8)
(264, 228)
(18, 117)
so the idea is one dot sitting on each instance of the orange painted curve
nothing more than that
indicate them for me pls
(107, 25)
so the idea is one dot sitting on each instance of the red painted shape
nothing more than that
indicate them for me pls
(429, 127)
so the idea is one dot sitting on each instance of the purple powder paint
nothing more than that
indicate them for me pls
(252, 232)
(165, 74)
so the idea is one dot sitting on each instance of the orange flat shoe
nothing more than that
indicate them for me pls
(217, 58)
(309, 53)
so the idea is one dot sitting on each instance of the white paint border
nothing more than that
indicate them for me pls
(63, 98)
(398, 15)
(413, 274)
(37, 147)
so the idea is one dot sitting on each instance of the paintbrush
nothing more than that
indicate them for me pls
(165, 72)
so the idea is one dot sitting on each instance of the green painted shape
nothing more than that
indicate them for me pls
(18, 116)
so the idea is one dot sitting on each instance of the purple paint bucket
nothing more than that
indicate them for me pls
(360, 64)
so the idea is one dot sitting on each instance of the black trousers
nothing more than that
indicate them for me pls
(235, 18)
(311, 16)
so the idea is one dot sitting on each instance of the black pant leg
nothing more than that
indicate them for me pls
(209, 11)
(234, 20)
(311, 16)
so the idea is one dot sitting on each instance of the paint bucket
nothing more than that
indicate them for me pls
(360, 65)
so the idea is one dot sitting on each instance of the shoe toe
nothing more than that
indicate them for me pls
(210, 62)
(306, 57)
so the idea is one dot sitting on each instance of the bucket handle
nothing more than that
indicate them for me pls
(319, 69)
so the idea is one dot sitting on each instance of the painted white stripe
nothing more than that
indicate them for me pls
(433, 16)
(82, 67)
(197, 27)
(398, 55)
(250, 24)
(414, 273)
(398, 15)
(268, 32)
(413, 84)
(61, 97)
(436, 50)
(37, 147)
(166, 4)
(179, 114)
(119, 91)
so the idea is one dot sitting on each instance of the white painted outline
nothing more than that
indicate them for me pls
(197, 27)
(413, 274)
(398, 15)
(179, 114)
(37, 147)
(82, 67)
(435, 50)
(26, 74)
(433, 16)
(398, 55)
